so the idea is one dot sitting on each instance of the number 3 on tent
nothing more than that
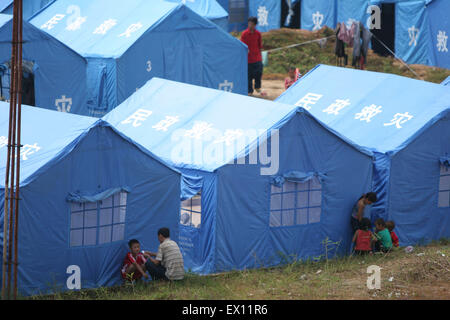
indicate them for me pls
(74, 280)
(149, 66)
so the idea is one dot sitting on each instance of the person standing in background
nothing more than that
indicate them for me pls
(252, 38)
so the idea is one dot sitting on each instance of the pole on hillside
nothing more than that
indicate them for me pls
(12, 172)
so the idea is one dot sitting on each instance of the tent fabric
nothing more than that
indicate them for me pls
(268, 13)
(446, 82)
(405, 122)
(295, 176)
(30, 7)
(348, 11)
(317, 14)
(412, 38)
(64, 91)
(209, 9)
(69, 158)
(439, 32)
(445, 161)
(198, 130)
(120, 48)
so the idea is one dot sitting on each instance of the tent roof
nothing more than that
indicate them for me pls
(5, 4)
(193, 108)
(106, 28)
(48, 136)
(209, 9)
(398, 98)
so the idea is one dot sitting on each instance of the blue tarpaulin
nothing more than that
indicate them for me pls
(268, 13)
(245, 220)
(75, 169)
(125, 43)
(29, 7)
(317, 14)
(438, 17)
(209, 9)
(405, 122)
(59, 72)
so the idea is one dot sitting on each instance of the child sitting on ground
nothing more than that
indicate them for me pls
(294, 75)
(134, 264)
(363, 238)
(390, 225)
(382, 237)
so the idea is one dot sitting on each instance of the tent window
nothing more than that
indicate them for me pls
(96, 223)
(28, 96)
(296, 203)
(191, 211)
(444, 188)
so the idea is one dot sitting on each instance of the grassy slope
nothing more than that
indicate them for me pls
(423, 274)
(307, 56)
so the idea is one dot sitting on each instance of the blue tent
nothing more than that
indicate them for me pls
(209, 9)
(30, 7)
(268, 13)
(54, 75)
(85, 191)
(446, 82)
(405, 123)
(238, 11)
(438, 11)
(129, 42)
(256, 208)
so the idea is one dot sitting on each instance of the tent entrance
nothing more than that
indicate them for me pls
(387, 32)
(28, 84)
(290, 18)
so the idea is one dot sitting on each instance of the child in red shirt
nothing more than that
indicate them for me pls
(363, 238)
(294, 75)
(134, 264)
(391, 225)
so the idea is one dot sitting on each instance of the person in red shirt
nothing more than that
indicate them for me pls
(391, 225)
(134, 264)
(294, 75)
(252, 38)
(363, 238)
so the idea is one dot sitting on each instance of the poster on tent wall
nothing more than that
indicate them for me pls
(316, 14)
(412, 36)
(349, 11)
(438, 11)
(268, 13)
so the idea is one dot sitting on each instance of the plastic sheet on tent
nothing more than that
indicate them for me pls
(405, 121)
(317, 14)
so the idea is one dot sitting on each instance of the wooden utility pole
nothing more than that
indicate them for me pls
(12, 172)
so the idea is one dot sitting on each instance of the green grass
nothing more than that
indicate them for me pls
(308, 56)
(343, 278)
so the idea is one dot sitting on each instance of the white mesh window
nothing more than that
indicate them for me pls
(444, 188)
(191, 211)
(296, 203)
(95, 223)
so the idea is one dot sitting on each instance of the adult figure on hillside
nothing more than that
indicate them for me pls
(252, 38)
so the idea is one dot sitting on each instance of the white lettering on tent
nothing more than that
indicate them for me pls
(28, 150)
(76, 24)
(105, 26)
(399, 119)
(413, 33)
(131, 29)
(442, 41)
(149, 66)
(164, 125)
(226, 86)
(3, 141)
(263, 16)
(317, 19)
(337, 106)
(50, 24)
(310, 98)
(198, 130)
(74, 280)
(230, 136)
(350, 22)
(63, 104)
(368, 112)
(274, 159)
(138, 117)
